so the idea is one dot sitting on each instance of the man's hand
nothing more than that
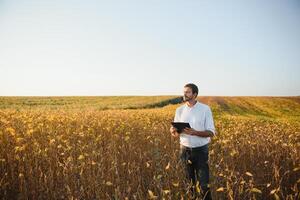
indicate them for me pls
(174, 132)
(189, 131)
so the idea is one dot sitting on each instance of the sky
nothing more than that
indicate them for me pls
(154, 47)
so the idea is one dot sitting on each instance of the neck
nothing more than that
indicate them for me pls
(192, 102)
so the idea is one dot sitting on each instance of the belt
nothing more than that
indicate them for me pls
(193, 148)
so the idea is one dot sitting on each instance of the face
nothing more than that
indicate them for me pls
(188, 94)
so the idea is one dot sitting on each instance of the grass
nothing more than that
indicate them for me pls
(120, 147)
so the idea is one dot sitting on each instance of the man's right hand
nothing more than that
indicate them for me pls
(174, 132)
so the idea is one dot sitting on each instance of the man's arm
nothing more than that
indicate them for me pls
(209, 122)
(206, 133)
(173, 130)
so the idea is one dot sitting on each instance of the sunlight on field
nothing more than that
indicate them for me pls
(89, 153)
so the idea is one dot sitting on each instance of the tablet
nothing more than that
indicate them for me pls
(180, 126)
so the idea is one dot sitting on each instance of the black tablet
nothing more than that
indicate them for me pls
(180, 126)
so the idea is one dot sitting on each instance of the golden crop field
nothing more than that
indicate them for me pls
(121, 148)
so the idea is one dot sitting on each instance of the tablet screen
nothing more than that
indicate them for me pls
(180, 126)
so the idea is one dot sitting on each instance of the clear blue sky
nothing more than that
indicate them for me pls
(56, 47)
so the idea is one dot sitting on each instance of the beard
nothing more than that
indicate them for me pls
(185, 98)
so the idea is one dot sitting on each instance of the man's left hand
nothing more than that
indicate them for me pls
(189, 131)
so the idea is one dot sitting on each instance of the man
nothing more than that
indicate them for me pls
(194, 141)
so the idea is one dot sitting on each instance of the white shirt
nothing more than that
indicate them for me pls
(200, 118)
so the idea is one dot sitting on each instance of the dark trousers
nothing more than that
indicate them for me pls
(195, 161)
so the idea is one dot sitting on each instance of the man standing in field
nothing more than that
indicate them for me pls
(194, 141)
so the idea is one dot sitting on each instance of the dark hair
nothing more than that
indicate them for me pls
(193, 87)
